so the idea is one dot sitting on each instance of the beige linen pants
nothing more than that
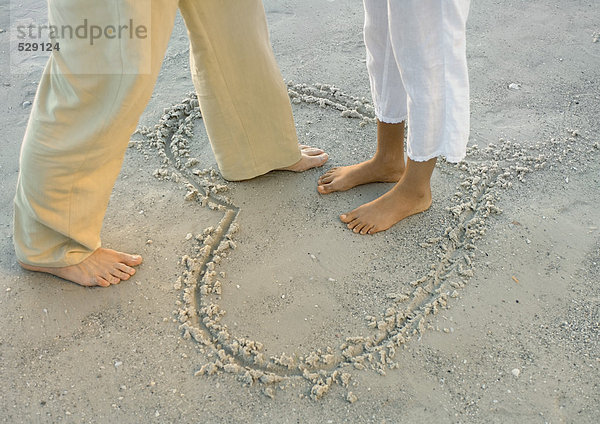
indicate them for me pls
(90, 98)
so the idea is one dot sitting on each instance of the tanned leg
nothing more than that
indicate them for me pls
(386, 166)
(410, 195)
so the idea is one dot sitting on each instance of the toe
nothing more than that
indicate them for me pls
(314, 151)
(328, 174)
(347, 217)
(353, 224)
(126, 269)
(358, 227)
(322, 157)
(117, 273)
(316, 161)
(326, 179)
(101, 282)
(112, 279)
(365, 230)
(373, 230)
(324, 188)
(131, 260)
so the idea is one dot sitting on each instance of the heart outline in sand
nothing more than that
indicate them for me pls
(199, 316)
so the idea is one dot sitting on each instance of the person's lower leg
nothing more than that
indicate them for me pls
(386, 165)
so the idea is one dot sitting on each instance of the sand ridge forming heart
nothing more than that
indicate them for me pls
(485, 174)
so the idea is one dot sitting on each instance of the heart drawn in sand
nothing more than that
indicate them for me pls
(400, 307)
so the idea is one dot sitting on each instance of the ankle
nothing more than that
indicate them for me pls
(421, 193)
(416, 190)
(391, 163)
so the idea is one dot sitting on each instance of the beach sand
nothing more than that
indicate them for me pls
(254, 302)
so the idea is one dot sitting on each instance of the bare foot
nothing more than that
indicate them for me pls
(311, 158)
(370, 171)
(395, 205)
(102, 268)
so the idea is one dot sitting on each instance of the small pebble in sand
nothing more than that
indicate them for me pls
(26, 104)
(351, 397)
(189, 236)
(516, 372)
(514, 86)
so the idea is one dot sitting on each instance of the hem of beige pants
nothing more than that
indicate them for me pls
(263, 169)
(80, 257)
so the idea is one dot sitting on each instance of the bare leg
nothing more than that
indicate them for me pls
(312, 157)
(386, 166)
(411, 195)
(102, 268)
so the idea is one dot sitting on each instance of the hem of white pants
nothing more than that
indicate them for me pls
(389, 120)
(449, 158)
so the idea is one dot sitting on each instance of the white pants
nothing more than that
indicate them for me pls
(416, 58)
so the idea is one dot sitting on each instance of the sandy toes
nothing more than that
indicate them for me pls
(312, 157)
(102, 268)
(400, 202)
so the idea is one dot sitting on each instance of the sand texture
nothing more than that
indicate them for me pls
(255, 304)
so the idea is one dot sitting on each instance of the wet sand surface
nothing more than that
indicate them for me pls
(256, 304)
